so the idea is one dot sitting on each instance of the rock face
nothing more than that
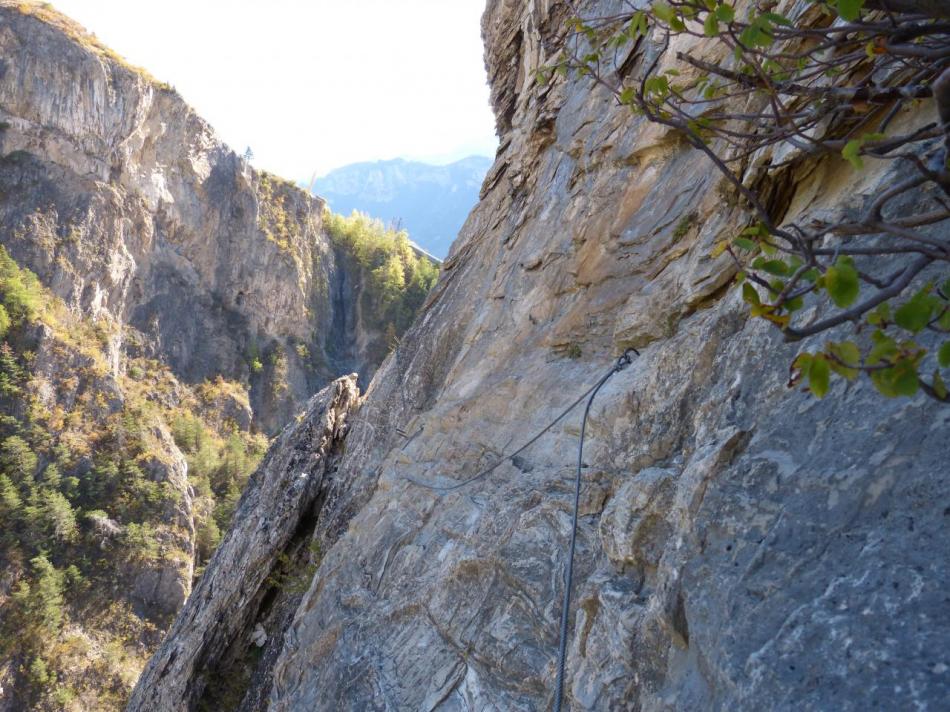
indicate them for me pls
(125, 202)
(161, 585)
(741, 546)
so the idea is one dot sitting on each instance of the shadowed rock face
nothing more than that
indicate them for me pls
(741, 546)
(125, 202)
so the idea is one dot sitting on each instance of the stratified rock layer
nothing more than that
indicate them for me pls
(742, 545)
(124, 202)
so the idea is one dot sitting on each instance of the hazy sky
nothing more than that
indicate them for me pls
(311, 85)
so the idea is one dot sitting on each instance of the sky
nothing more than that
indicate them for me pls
(311, 85)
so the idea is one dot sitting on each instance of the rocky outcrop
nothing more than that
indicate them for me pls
(251, 569)
(742, 545)
(125, 203)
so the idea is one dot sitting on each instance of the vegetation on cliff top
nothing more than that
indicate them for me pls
(396, 277)
(274, 218)
(85, 497)
(824, 82)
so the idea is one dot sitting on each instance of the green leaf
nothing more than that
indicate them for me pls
(940, 388)
(744, 244)
(841, 282)
(914, 314)
(663, 11)
(900, 380)
(906, 381)
(750, 295)
(638, 24)
(799, 368)
(777, 19)
(848, 352)
(774, 68)
(818, 375)
(847, 356)
(884, 348)
(881, 315)
(851, 153)
(725, 13)
(849, 9)
(802, 361)
(944, 321)
(943, 355)
(749, 37)
(711, 25)
(776, 267)
(658, 85)
(698, 126)
(689, 10)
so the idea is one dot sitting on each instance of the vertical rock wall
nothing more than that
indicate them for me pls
(126, 203)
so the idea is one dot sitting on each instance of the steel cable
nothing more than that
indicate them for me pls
(622, 363)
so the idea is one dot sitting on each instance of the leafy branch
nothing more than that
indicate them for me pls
(823, 84)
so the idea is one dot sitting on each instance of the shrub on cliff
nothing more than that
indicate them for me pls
(396, 277)
(823, 82)
(84, 499)
(22, 291)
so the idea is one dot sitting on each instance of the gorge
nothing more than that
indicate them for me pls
(742, 544)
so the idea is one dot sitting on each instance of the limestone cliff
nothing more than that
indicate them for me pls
(125, 202)
(742, 545)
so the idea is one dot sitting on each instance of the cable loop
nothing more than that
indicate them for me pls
(625, 359)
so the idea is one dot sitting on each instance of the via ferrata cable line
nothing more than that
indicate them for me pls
(622, 363)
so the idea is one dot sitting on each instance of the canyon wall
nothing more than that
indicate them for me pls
(127, 205)
(742, 545)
